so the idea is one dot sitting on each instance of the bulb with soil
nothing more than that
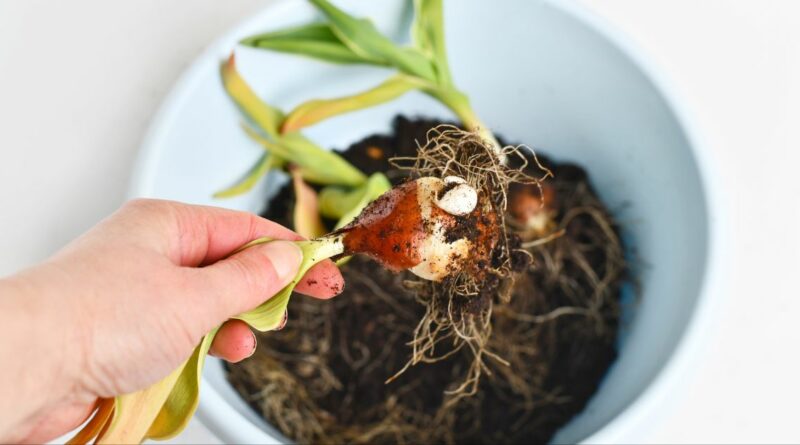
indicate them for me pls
(433, 227)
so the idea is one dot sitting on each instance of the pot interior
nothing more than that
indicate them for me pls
(537, 74)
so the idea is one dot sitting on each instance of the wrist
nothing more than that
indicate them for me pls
(40, 337)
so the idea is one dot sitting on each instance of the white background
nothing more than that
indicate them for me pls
(80, 80)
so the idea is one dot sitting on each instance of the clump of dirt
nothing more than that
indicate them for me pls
(549, 340)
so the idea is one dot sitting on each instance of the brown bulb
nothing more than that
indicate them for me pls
(390, 229)
(406, 229)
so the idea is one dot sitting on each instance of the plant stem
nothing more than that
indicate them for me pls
(322, 248)
(314, 250)
(459, 104)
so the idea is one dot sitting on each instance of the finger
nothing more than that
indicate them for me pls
(209, 234)
(234, 342)
(323, 281)
(245, 280)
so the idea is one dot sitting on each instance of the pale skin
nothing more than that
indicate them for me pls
(121, 306)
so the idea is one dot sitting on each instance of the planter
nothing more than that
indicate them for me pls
(551, 76)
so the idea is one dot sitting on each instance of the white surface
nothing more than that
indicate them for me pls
(98, 69)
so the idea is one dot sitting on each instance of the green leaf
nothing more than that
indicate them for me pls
(427, 31)
(316, 164)
(335, 201)
(269, 314)
(361, 36)
(313, 111)
(345, 205)
(266, 117)
(184, 397)
(316, 40)
(264, 164)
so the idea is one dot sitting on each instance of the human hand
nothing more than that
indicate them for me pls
(126, 303)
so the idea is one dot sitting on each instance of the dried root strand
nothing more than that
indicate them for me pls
(583, 227)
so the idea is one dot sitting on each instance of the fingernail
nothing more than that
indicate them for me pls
(285, 257)
(255, 345)
(283, 321)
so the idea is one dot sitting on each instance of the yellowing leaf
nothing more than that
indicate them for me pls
(266, 117)
(158, 412)
(316, 40)
(184, 396)
(317, 164)
(264, 164)
(306, 215)
(134, 413)
(96, 424)
(314, 111)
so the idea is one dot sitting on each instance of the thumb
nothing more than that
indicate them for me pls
(250, 277)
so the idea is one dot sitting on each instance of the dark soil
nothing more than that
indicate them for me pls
(322, 378)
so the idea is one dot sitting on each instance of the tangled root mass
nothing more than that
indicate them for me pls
(459, 310)
(508, 361)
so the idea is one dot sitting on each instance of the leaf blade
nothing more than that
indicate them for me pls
(364, 39)
(376, 185)
(317, 165)
(184, 397)
(94, 427)
(306, 214)
(261, 168)
(427, 31)
(266, 117)
(335, 201)
(313, 111)
(135, 412)
(315, 40)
